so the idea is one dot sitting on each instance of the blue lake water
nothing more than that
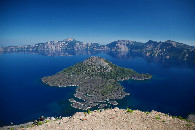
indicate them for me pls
(24, 97)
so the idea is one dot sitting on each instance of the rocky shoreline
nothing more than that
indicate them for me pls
(111, 119)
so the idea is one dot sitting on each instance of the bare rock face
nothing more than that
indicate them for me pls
(96, 79)
(98, 62)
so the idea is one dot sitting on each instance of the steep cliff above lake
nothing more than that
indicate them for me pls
(168, 50)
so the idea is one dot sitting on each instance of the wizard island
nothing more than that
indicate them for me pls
(97, 81)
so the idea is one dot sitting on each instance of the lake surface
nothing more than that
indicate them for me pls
(24, 97)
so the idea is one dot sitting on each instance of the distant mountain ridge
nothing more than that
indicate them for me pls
(165, 50)
(154, 49)
(66, 44)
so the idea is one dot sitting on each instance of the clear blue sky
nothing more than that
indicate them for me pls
(103, 21)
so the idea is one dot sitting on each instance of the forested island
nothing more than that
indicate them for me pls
(97, 81)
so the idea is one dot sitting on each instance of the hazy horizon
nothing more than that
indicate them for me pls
(86, 41)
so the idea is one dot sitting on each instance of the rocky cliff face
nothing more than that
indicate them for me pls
(67, 44)
(169, 50)
(164, 50)
(152, 49)
(124, 45)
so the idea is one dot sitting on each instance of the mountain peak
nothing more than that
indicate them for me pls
(97, 62)
(69, 39)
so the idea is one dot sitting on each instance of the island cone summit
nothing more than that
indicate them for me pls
(96, 79)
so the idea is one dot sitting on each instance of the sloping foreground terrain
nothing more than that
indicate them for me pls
(119, 119)
(116, 118)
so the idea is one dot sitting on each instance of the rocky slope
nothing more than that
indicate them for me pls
(169, 50)
(112, 119)
(161, 50)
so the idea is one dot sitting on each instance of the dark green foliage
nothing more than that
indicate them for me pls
(180, 117)
(174, 117)
(40, 123)
(88, 111)
(157, 117)
(188, 125)
(147, 112)
(129, 110)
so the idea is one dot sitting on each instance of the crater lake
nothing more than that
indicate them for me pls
(25, 98)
